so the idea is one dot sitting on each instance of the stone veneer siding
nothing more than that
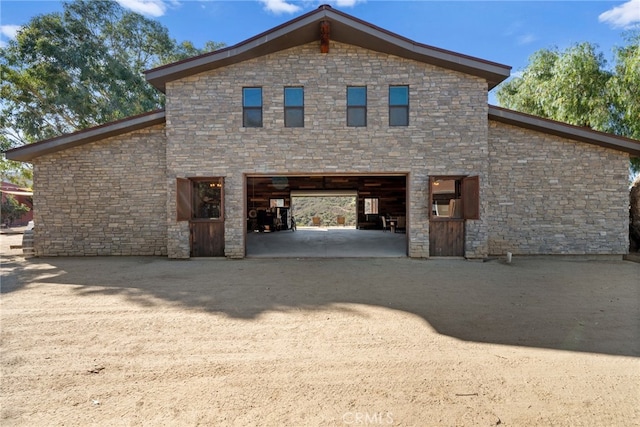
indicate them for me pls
(447, 134)
(103, 198)
(550, 195)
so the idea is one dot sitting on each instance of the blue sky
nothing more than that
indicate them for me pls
(508, 32)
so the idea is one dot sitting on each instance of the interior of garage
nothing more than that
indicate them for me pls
(377, 226)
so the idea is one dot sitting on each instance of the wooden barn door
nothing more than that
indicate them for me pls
(446, 237)
(453, 200)
(207, 238)
(200, 201)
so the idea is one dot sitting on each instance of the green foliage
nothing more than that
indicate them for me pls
(186, 49)
(624, 90)
(10, 171)
(11, 209)
(568, 86)
(574, 86)
(80, 68)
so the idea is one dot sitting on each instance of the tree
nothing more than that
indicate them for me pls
(624, 90)
(80, 68)
(11, 209)
(575, 87)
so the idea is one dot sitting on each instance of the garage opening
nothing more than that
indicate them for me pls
(336, 216)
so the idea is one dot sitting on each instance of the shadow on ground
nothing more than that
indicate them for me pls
(576, 305)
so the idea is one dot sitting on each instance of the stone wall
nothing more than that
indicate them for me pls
(447, 134)
(550, 195)
(539, 194)
(103, 198)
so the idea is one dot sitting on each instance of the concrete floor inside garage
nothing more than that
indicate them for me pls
(322, 242)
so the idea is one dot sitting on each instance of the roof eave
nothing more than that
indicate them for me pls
(28, 152)
(565, 130)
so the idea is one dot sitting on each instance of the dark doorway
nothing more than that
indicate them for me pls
(454, 199)
(200, 201)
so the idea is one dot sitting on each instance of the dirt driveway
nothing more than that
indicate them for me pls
(362, 342)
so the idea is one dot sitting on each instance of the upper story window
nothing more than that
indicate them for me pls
(356, 106)
(252, 107)
(294, 107)
(398, 105)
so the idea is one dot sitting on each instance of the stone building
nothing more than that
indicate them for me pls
(329, 104)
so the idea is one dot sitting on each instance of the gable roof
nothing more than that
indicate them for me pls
(576, 133)
(343, 28)
(29, 152)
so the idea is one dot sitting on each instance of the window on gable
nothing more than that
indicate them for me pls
(357, 106)
(294, 107)
(252, 107)
(398, 105)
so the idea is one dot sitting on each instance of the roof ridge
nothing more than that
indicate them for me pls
(345, 29)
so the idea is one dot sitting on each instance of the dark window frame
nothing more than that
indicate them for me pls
(356, 108)
(188, 203)
(288, 122)
(467, 190)
(397, 107)
(248, 109)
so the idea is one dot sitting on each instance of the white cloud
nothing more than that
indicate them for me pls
(347, 3)
(154, 8)
(9, 31)
(526, 39)
(623, 16)
(290, 6)
(279, 6)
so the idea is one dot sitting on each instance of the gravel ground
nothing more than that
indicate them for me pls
(151, 341)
